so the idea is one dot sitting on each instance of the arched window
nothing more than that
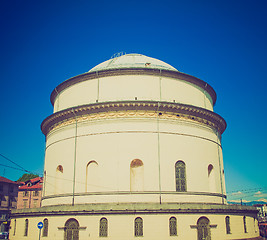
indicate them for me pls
(15, 225)
(203, 229)
(71, 230)
(26, 228)
(45, 228)
(245, 224)
(173, 226)
(103, 227)
(227, 224)
(92, 177)
(136, 175)
(210, 168)
(180, 174)
(211, 177)
(60, 168)
(138, 227)
(59, 183)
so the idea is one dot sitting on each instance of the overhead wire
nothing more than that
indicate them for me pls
(20, 167)
(14, 163)
(12, 167)
(256, 192)
(247, 190)
(78, 182)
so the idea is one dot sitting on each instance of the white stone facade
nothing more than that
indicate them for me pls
(128, 141)
(155, 226)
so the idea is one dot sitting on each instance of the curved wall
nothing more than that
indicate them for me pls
(132, 87)
(134, 144)
(113, 143)
(156, 221)
(155, 217)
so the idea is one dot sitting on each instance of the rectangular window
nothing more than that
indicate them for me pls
(36, 193)
(10, 201)
(34, 203)
(25, 194)
(25, 203)
(11, 189)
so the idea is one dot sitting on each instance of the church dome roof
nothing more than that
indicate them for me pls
(132, 60)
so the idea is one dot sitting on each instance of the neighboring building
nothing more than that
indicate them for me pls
(8, 201)
(133, 150)
(30, 193)
(262, 215)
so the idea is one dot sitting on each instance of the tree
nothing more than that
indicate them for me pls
(27, 176)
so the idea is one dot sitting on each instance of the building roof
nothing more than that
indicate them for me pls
(132, 60)
(35, 183)
(5, 180)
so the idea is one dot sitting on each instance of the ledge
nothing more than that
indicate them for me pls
(190, 193)
(135, 208)
(133, 71)
(154, 108)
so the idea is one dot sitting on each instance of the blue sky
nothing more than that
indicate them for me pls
(221, 42)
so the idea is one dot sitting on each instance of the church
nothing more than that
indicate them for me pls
(133, 151)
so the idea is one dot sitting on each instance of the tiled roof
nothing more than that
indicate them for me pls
(35, 183)
(5, 180)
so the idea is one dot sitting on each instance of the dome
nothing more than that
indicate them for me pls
(132, 61)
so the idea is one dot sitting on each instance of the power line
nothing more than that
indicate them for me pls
(15, 163)
(12, 167)
(247, 195)
(20, 167)
(71, 181)
(247, 190)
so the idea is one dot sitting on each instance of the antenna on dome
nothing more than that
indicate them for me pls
(115, 55)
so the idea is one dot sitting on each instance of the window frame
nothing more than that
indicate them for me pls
(138, 227)
(45, 228)
(173, 226)
(25, 193)
(245, 224)
(103, 227)
(227, 225)
(15, 226)
(26, 227)
(180, 176)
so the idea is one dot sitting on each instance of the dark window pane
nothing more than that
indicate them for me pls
(138, 225)
(180, 176)
(173, 226)
(103, 228)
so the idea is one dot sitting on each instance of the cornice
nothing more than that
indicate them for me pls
(135, 208)
(122, 109)
(188, 193)
(133, 71)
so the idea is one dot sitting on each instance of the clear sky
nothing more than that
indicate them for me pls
(221, 42)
